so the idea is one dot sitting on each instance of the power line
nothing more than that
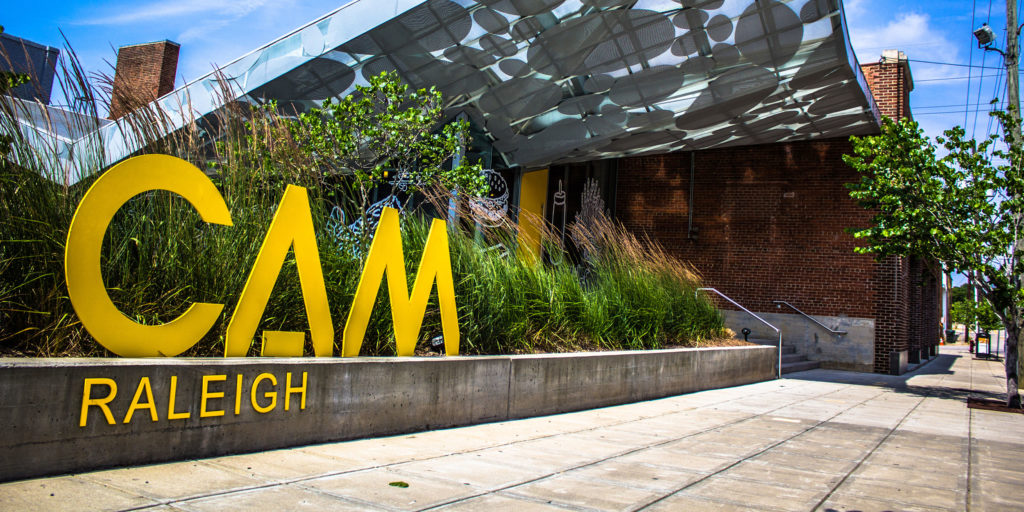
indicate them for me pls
(944, 112)
(919, 80)
(993, 106)
(984, 56)
(970, 61)
(939, 106)
(977, 99)
(952, 64)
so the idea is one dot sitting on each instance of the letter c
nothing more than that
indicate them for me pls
(86, 289)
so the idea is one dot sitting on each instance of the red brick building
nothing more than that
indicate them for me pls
(769, 224)
(718, 133)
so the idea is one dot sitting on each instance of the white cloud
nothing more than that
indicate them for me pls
(911, 32)
(162, 11)
(854, 7)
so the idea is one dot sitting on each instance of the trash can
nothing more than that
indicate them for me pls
(983, 345)
(951, 336)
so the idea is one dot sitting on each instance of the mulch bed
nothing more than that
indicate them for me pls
(989, 404)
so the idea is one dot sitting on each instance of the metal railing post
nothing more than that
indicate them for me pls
(809, 317)
(751, 313)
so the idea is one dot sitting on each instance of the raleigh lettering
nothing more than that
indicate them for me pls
(291, 228)
(217, 397)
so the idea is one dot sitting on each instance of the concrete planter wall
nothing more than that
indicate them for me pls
(41, 400)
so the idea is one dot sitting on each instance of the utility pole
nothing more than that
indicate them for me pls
(1012, 56)
(1013, 91)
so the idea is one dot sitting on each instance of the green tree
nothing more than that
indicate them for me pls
(966, 312)
(962, 209)
(387, 132)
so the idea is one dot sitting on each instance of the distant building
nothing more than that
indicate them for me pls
(144, 72)
(33, 59)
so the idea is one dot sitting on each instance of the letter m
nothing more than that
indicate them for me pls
(407, 310)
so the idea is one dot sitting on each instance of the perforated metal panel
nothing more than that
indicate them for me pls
(555, 81)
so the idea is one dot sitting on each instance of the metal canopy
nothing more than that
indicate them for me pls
(556, 81)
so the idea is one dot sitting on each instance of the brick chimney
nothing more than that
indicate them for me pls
(891, 82)
(144, 72)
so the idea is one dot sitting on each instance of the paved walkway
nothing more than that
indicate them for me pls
(816, 440)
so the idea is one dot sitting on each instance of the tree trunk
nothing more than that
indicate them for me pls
(1012, 354)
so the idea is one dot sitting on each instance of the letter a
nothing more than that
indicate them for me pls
(292, 227)
(407, 310)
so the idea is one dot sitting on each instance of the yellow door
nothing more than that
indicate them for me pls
(533, 191)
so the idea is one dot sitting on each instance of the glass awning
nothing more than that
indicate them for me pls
(555, 81)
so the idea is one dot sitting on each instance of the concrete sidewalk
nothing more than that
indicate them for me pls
(815, 440)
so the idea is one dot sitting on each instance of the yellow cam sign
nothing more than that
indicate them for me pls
(291, 228)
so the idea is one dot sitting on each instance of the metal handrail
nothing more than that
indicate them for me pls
(751, 313)
(809, 317)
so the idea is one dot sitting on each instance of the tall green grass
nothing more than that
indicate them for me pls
(635, 295)
(159, 257)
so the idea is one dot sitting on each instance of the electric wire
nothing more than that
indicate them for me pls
(993, 106)
(959, 106)
(977, 99)
(970, 61)
(984, 56)
(950, 78)
(953, 64)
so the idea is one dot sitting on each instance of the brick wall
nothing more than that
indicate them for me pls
(144, 72)
(890, 81)
(770, 225)
(769, 222)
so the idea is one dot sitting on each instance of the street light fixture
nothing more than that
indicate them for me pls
(984, 35)
(985, 38)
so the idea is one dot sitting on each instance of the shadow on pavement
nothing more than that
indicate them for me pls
(940, 365)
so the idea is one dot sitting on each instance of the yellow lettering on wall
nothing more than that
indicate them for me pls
(272, 395)
(207, 394)
(238, 395)
(289, 391)
(292, 227)
(407, 310)
(88, 400)
(171, 415)
(86, 289)
(150, 404)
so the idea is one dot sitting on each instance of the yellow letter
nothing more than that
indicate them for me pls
(171, 415)
(292, 227)
(289, 390)
(203, 413)
(407, 310)
(238, 395)
(272, 395)
(88, 400)
(112, 329)
(150, 403)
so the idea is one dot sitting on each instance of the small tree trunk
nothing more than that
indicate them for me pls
(1012, 354)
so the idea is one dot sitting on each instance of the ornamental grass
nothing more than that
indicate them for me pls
(613, 291)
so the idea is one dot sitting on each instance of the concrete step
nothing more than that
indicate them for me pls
(786, 349)
(792, 358)
(798, 366)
